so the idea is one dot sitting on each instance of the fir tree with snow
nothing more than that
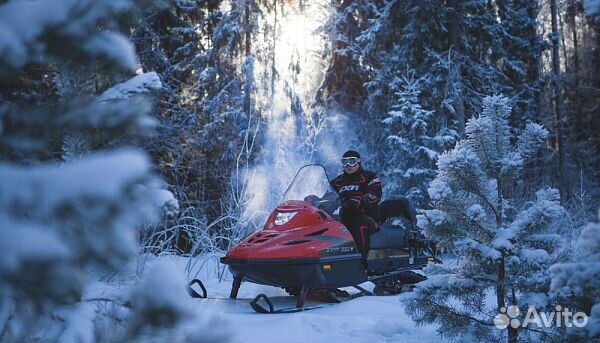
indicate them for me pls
(413, 144)
(74, 189)
(504, 247)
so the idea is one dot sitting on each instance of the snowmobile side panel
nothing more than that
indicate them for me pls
(326, 272)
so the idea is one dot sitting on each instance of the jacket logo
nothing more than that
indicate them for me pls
(349, 188)
(375, 180)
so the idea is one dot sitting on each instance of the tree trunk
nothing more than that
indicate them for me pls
(273, 58)
(579, 126)
(501, 284)
(533, 60)
(500, 298)
(558, 99)
(573, 24)
(247, 54)
(454, 21)
(562, 43)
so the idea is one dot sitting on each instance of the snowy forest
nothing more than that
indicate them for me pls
(142, 140)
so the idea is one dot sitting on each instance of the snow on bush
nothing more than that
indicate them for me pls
(55, 220)
(28, 29)
(81, 201)
(579, 281)
(162, 311)
(139, 84)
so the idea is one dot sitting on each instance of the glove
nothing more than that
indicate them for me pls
(311, 198)
(352, 205)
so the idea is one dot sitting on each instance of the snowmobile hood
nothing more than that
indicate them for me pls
(303, 215)
(307, 233)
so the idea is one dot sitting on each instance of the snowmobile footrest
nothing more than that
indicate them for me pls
(192, 292)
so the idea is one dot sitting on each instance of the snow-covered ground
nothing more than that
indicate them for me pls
(365, 319)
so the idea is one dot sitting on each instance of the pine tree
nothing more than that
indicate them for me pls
(504, 247)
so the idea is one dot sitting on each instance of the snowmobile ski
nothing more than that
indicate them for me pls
(258, 308)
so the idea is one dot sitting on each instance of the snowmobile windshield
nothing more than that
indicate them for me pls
(311, 179)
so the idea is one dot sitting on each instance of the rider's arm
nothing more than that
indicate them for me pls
(373, 196)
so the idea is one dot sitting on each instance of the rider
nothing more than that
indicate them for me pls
(360, 193)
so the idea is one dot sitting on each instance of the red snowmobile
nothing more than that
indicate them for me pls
(305, 249)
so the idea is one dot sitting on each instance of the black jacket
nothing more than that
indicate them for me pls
(363, 186)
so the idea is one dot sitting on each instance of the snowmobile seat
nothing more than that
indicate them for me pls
(389, 236)
(398, 208)
(398, 216)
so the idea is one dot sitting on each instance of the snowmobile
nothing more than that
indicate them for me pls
(305, 249)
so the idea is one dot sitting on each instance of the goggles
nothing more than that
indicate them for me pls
(349, 161)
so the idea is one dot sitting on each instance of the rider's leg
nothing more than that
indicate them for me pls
(361, 228)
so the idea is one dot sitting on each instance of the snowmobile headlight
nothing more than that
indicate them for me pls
(284, 217)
